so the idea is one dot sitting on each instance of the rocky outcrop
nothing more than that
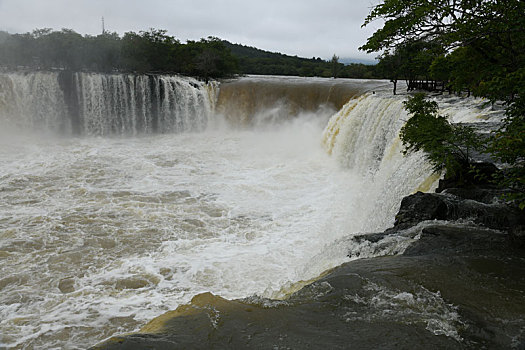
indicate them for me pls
(458, 240)
(451, 207)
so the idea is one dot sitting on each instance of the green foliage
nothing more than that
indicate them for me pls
(335, 66)
(409, 61)
(482, 51)
(440, 68)
(150, 51)
(256, 61)
(481, 40)
(213, 58)
(447, 146)
(508, 145)
(448, 23)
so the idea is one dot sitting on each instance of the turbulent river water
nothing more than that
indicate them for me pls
(123, 197)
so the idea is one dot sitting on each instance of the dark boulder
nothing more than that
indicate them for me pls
(421, 207)
(435, 206)
(479, 175)
(483, 195)
(453, 240)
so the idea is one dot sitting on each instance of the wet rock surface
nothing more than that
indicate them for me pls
(446, 206)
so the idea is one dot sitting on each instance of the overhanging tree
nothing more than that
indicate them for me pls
(484, 43)
(447, 146)
(492, 29)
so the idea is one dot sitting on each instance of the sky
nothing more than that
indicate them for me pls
(306, 28)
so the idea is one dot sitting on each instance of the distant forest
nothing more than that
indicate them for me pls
(150, 51)
(255, 61)
(154, 51)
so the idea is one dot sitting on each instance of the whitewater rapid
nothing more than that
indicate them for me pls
(101, 234)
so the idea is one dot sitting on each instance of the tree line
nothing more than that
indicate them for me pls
(477, 47)
(154, 51)
(256, 61)
(150, 51)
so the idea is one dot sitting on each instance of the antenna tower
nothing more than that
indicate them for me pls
(103, 28)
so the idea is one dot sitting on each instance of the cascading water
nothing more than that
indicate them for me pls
(128, 104)
(363, 137)
(261, 100)
(104, 104)
(32, 101)
(95, 242)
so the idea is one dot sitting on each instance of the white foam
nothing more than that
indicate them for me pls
(141, 225)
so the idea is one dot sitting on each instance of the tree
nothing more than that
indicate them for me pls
(207, 58)
(59, 49)
(409, 61)
(103, 52)
(335, 66)
(492, 30)
(447, 146)
(484, 43)
(159, 49)
(207, 64)
(134, 52)
(508, 142)
(389, 66)
(440, 70)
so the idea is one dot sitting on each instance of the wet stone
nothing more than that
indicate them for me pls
(67, 285)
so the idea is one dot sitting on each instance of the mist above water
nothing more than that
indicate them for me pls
(108, 233)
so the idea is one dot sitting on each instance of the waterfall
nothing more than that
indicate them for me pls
(105, 104)
(33, 101)
(364, 138)
(130, 104)
(261, 100)
(101, 234)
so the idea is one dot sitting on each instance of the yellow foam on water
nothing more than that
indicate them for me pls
(158, 324)
(334, 125)
(426, 185)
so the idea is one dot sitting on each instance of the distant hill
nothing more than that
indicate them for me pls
(256, 61)
(250, 51)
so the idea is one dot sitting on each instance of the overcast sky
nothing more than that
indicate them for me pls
(306, 28)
